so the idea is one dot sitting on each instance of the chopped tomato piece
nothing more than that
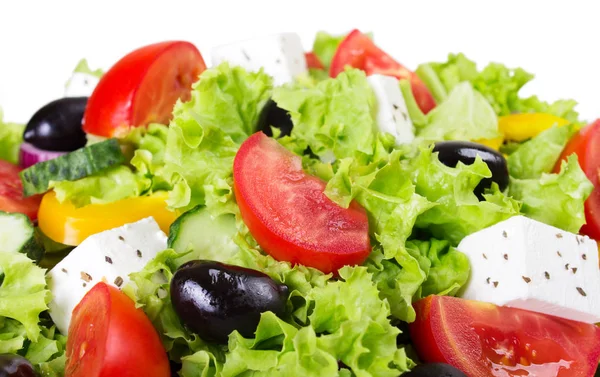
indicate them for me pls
(288, 213)
(312, 61)
(487, 340)
(109, 336)
(586, 144)
(358, 50)
(11, 192)
(142, 88)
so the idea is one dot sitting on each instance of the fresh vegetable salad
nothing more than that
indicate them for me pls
(281, 212)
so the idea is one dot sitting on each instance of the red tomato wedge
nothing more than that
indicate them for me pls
(288, 213)
(109, 336)
(485, 340)
(142, 88)
(586, 145)
(312, 61)
(11, 193)
(358, 50)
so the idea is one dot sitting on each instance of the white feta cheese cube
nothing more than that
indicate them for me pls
(81, 85)
(392, 112)
(526, 264)
(109, 256)
(281, 56)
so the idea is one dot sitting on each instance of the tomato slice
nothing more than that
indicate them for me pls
(312, 61)
(288, 214)
(11, 192)
(358, 50)
(109, 336)
(586, 145)
(487, 340)
(66, 224)
(142, 88)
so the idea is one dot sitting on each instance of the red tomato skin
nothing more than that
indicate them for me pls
(306, 239)
(358, 50)
(109, 336)
(445, 330)
(11, 193)
(142, 88)
(313, 61)
(586, 145)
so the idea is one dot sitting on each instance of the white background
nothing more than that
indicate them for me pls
(559, 41)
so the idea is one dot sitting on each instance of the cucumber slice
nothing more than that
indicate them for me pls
(17, 235)
(210, 238)
(72, 166)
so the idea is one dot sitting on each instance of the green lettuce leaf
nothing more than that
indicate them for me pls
(325, 46)
(83, 67)
(23, 293)
(539, 154)
(464, 115)
(555, 199)
(499, 85)
(335, 118)
(458, 212)
(11, 137)
(204, 134)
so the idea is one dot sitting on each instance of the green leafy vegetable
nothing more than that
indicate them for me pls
(539, 155)
(555, 199)
(325, 46)
(11, 137)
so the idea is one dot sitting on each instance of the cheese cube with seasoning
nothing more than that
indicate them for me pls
(109, 256)
(281, 56)
(392, 112)
(527, 264)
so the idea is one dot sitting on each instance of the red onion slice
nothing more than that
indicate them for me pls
(30, 155)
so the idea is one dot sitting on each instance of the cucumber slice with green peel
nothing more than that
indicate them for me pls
(210, 238)
(72, 166)
(17, 235)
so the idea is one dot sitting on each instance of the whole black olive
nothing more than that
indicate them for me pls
(15, 366)
(434, 370)
(273, 115)
(214, 299)
(451, 152)
(57, 126)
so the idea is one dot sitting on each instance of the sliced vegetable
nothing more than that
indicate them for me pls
(358, 50)
(11, 193)
(72, 166)
(17, 235)
(520, 127)
(586, 145)
(109, 336)
(312, 61)
(487, 340)
(66, 224)
(11, 136)
(142, 88)
(288, 213)
(30, 155)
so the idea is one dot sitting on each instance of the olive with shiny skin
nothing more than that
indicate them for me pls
(451, 152)
(213, 299)
(434, 370)
(273, 115)
(15, 366)
(57, 126)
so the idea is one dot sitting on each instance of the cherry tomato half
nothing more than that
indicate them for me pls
(142, 88)
(288, 213)
(358, 50)
(109, 336)
(11, 192)
(485, 340)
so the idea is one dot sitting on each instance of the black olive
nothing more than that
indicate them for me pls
(273, 115)
(57, 126)
(15, 366)
(451, 152)
(434, 370)
(214, 299)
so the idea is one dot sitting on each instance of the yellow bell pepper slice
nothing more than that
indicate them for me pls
(66, 224)
(494, 143)
(520, 127)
